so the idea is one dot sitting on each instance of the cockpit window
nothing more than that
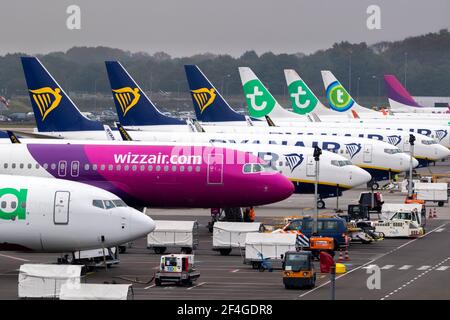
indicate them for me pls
(253, 168)
(119, 203)
(108, 204)
(257, 167)
(98, 204)
(392, 151)
(341, 163)
(429, 142)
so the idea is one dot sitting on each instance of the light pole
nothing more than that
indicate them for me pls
(412, 138)
(316, 154)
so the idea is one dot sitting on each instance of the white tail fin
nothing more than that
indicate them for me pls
(260, 102)
(303, 100)
(338, 97)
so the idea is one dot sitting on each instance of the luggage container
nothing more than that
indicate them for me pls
(45, 280)
(432, 192)
(229, 235)
(270, 247)
(173, 234)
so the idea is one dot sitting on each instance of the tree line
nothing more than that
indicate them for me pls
(422, 61)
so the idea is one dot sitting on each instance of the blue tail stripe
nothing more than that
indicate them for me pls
(53, 112)
(141, 113)
(217, 111)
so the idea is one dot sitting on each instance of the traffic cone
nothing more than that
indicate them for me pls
(430, 215)
(434, 213)
(346, 254)
(341, 258)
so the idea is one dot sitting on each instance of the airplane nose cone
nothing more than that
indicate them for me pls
(278, 188)
(360, 176)
(443, 152)
(415, 163)
(140, 224)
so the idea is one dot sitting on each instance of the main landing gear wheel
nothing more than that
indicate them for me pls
(320, 204)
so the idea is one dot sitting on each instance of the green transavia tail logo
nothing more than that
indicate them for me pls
(259, 101)
(338, 97)
(302, 99)
(13, 204)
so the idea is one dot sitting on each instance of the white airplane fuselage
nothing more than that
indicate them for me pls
(52, 215)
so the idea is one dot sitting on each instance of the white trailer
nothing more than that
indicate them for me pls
(173, 234)
(229, 235)
(45, 280)
(267, 246)
(433, 192)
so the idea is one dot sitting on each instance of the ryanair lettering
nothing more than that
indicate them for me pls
(324, 145)
(204, 97)
(46, 99)
(293, 160)
(127, 98)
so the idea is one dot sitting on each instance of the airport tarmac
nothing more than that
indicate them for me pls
(410, 268)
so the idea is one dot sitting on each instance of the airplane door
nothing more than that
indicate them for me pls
(61, 207)
(215, 169)
(75, 168)
(367, 155)
(406, 147)
(62, 168)
(310, 167)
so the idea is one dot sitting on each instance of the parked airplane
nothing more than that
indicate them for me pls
(160, 175)
(53, 215)
(340, 100)
(401, 100)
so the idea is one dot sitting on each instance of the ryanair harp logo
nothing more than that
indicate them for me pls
(293, 160)
(441, 134)
(394, 139)
(353, 149)
(46, 99)
(127, 98)
(204, 97)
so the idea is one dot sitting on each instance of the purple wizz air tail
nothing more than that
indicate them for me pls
(158, 175)
(401, 100)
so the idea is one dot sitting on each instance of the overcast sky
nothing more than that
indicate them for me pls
(186, 27)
